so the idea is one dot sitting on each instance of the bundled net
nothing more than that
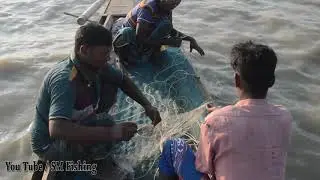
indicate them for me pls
(170, 84)
(140, 155)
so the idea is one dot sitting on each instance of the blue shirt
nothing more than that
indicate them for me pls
(64, 92)
(147, 11)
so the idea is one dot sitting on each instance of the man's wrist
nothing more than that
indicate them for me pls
(146, 105)
(192, 39)
(114, 132)
(188, 38)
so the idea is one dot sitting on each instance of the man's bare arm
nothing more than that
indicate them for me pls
(166, 177)
(63, 129)
(134, 92)
(129, 88)
(144, 29)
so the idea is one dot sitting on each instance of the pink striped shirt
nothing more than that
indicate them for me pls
(245, 141)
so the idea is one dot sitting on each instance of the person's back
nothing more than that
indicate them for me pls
(248, 140)
(245, 141)
(252, 140)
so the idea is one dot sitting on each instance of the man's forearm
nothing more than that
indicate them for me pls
(143, 30)
(134, 92)
(150, 43)
(188, 38)
(181, 35)
(69, 131)
(157, 43)
(163, 176)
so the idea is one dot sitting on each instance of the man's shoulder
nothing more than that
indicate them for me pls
(61, 70)
(235, 109)
(217, 119)
(109, 73)
(283, 111)
(230, 113)
(223, 111)
(151, 3)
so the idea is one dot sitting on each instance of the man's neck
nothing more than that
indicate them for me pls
(84, 64)
(161, 10)
(88, 67)
(244, 96)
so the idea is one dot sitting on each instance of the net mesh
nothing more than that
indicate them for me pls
(170, 84)
(140, 155)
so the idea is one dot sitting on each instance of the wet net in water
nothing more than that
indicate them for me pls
(170, 84)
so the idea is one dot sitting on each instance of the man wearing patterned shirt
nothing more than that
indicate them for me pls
(148, 26)
(245, 141)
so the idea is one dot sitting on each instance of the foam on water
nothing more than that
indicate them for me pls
(308, 135)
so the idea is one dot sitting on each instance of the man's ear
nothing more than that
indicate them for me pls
(272, 81)
(83, 50)
(237, 80)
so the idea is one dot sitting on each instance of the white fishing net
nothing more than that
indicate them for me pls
(171, 84)
(139, 156)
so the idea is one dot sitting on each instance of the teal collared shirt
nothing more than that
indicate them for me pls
(65, 92)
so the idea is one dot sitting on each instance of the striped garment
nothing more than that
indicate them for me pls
(147, 11)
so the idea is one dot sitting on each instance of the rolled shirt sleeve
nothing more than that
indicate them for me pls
(205, 154)
(61, 97)
(145, 15)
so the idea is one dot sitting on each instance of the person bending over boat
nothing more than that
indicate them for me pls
(71, 118)
(148, 26)
(245, 141)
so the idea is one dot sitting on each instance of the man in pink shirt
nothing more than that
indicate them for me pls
(245, 141)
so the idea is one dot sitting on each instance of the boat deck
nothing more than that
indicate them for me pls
(114, 10)
(119, 7)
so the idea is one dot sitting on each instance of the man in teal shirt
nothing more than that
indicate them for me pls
(74, 100)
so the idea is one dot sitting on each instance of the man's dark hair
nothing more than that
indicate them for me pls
(92, 34)
(255, 64)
